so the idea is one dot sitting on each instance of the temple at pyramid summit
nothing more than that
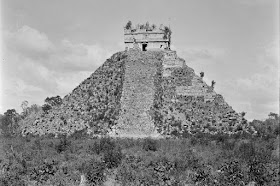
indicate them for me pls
(147, 37)
(147, 90)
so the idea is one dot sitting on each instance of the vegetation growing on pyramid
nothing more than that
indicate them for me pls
(94, 105)
(138, 93)
(219, 151)
(178, 114)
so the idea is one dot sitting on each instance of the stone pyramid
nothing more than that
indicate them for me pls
(140, 94)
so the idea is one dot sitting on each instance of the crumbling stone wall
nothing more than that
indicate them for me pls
(171, 60)
(197, 88)
(153, 38)
(138, 94)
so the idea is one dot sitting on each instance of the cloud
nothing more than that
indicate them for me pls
(34, 67)
(253, 98)
(255, 2)
(198, 53)
(248, 81)
(257, 93)
(28, 42)
(77, 57)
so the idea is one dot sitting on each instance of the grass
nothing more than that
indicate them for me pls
(212, 160)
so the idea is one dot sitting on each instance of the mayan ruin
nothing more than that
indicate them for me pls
(139, 93)
(145, 91)
(147, 37)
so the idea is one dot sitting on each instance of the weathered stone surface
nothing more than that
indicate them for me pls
(140, 94)
(186, 104)
(171, 60)
(93, 105)
(198, 88)
(152, 38)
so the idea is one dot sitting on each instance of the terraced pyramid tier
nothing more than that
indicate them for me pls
(140, 94)
(184, 103)
(94, 105)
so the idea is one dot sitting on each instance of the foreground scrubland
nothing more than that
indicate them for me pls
(195, 160)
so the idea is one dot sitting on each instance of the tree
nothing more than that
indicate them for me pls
(213, 83)
(24, 106)
(53, 101)
(243, 114)
(9, 122)
(10, 113)
(35, 108)
(147, 26)
(46, 107)
(201, 74)
(273, 115)
(128, 25)
(167, 32)
(167, 35)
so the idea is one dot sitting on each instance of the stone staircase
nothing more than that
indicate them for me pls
(138, 95)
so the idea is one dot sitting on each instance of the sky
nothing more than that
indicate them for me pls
(49, 47)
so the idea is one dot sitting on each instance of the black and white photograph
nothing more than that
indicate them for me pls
(139, 93)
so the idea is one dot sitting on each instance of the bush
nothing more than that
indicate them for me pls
(128, 25)
(95, 147)
(149, 145)
(163, 172)
(129, 171)
(187, 160)
(246, 151)
(167, 32)
(231, 173)
(94, 171)
(113, 158)
(202, 176)
(229, 144)
(11, 179)
(63, 144)
(42, 173)
(102, 145)
(81, 134)
(46, 108)
(193, 140)
(159, 162)
(258, 171)
(13, 173)
(106, 144)
(140, 171)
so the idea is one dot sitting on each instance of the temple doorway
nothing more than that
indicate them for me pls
(144, 47)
